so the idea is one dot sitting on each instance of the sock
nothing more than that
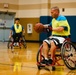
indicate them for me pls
(46, 58)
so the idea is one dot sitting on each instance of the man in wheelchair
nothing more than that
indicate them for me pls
(17, 31)
(60, 30)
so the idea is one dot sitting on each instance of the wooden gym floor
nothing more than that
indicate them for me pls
(23, 62)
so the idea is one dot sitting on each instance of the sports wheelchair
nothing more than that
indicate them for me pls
(11, 43)
(67, 54)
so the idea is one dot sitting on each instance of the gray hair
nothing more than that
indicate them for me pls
(56, 8)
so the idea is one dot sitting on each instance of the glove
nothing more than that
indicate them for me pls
(50, 28)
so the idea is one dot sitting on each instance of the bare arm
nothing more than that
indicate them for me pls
(58, 29)
(10, 33)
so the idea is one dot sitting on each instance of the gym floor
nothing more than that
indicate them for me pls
(23, 62)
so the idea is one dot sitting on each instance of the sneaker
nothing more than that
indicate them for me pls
(50, 61)
(14, 44)
(46, 62)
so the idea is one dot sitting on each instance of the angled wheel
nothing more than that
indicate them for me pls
(39, 57)
(9, 43)
(68, 53)
(24, 42)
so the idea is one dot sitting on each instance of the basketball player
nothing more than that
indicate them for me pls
(17, 30)
(60, 31)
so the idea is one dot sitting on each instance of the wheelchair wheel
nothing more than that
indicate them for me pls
(39, 57)
(9, 43)
(68, 53)
(24, 42)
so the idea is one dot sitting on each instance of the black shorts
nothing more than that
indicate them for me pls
(17, 37)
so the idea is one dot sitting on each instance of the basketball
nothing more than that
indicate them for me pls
(39, 27)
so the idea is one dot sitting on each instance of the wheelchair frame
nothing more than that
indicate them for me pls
(11, 43)
(67, 53)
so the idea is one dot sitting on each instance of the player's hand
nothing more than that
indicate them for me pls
(10, 36)
(50, 28)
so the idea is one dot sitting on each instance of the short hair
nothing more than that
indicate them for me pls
(17, 19)
(56, 8)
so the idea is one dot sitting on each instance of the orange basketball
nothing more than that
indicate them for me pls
(39, 27)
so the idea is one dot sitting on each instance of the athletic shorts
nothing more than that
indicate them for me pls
(56, 39)
(17, 37)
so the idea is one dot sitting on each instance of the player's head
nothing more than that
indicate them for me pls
(55, 12)
(17, 20)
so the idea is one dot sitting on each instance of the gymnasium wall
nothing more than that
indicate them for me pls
(31, 11)
(7, 17)
(12, 6)
(30, 36)
(68, 9)
(69, 6)
(41, 9)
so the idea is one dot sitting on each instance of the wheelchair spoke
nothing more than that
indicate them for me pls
(68, 52)
(70, 62)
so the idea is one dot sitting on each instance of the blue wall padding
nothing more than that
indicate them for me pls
(44, 20)
(72, 22)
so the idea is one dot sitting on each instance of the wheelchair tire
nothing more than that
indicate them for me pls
(38, 54)
(68, 51)
(24, 42)
(8, 44)
(39, 58)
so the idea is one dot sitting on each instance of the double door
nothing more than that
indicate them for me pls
(6, 21)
